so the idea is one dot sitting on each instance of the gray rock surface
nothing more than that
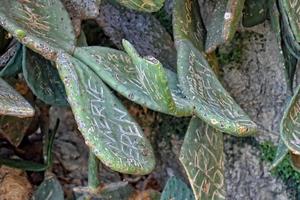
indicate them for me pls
(256, 81)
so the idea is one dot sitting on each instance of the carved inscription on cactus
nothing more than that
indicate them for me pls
(34, 23)
(111, 133)
(137, 81)
(12, 103)
(203, 159)
(292, 8)
(187, 22)
(290, 125)
(143, 5)
(212, 102)
(121, 136)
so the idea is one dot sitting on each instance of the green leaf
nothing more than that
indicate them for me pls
(291, 7)
(175, 189)
(12, 103)
(11, 60)
(43, 79)
(281, 152)
(255, 12)
(40, 28)
(187, 22)
(14, 128)
(290, 124)
(109, 131)
(288, 37)
(223, 22)
(118, 70)
(50, 189)
(203, 160)
(212, 102)
(142, 5)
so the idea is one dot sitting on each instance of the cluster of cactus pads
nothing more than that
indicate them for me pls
(49, 50)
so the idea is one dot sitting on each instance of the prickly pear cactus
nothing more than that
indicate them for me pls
(291, 8)
(187, 23)
(203, 159)
(290, 124)
(212, 102)
(133, 81)
(12, 103)
(37, 26)
(175, 189)
(281, 152)
(142, 5)
(223, 22)
(199, 83)
(109, 131)
(43, 79)
(11, 60)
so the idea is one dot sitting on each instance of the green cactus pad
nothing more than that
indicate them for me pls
(290, 124)
(49, 189)
(118, 70)
(43, 79)
(281, 152)
(223, 22)
(152, 78)
(11, 60)
(203, 159)
(292, 10)
(175, 189)
(12, 103)
(142, 5)
(109, 131)
(289, 38)
(42, 25)
(187, 22)
(212, 102)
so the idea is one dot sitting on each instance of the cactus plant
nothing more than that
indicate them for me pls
(180, 80)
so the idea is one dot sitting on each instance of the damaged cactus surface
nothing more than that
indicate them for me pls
(111, 133)
(198, 82)
(133, 77)
(202, 156)
(290, 124)
(142, 5)
(222, 22)
(38, 27)
(292, 11)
